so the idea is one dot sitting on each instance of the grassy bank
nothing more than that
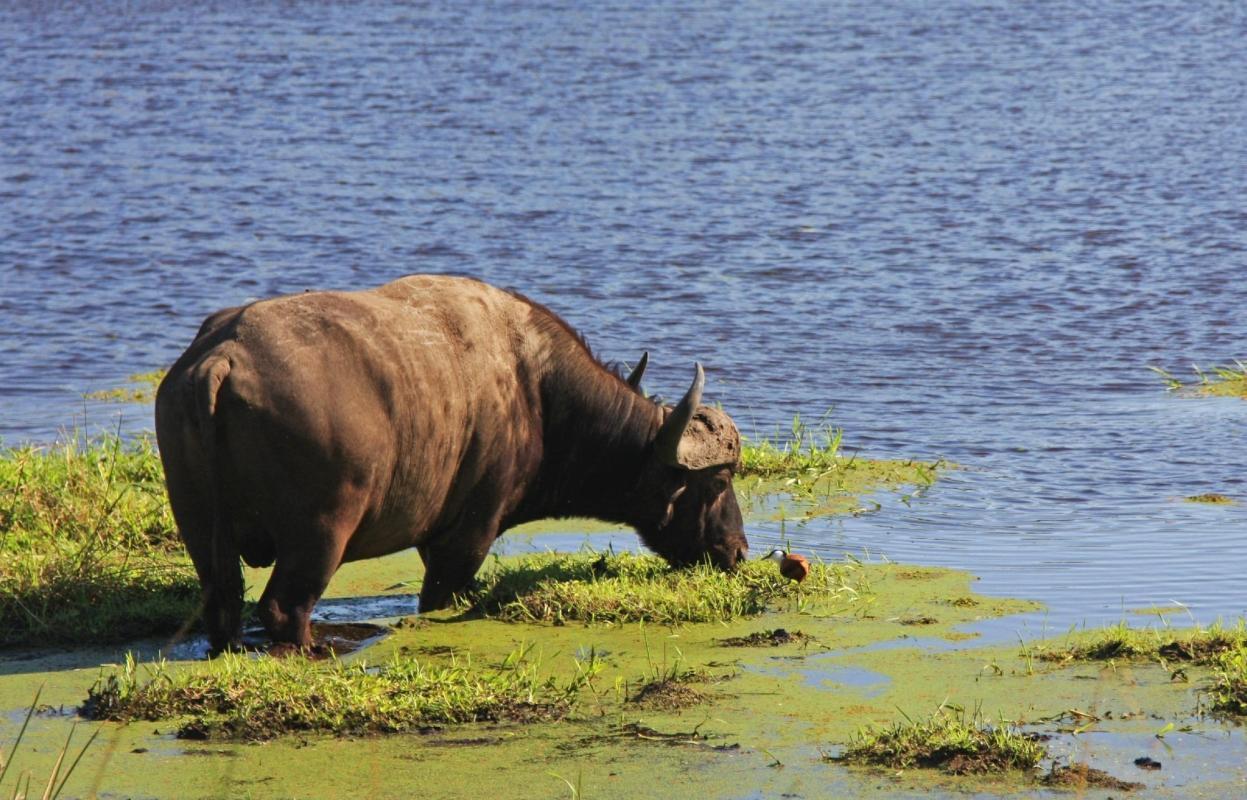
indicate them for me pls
(88, 548)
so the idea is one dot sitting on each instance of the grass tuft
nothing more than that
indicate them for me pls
(802, 450)
(594, 588)
(948, 741)
(1228, 694)
(254, 699)
(86, 540)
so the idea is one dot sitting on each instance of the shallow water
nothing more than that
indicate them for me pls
(966, 229)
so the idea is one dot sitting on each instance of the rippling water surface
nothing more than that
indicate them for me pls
(967, 228)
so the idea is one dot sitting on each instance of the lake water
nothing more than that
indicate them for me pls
(967, 229)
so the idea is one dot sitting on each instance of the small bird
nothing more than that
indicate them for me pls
(791, 566)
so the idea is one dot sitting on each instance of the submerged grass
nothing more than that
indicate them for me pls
(141, 389)
(947, 740)
(86, 539)
(241, 698)
(617, 588)
(1212, 498)
(806, 465)
(1221, 381)
(1198, 645)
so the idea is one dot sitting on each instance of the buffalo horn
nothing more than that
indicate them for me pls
(667, 442)
(634, 378)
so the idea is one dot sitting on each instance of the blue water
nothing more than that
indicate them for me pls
(965, 228)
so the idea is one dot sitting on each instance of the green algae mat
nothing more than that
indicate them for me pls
(773, 701)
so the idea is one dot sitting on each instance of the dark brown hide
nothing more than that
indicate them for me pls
(432, 412)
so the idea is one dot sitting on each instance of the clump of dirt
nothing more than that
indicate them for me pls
(666, 695)
(963, 602)
(637, 730)
(768, 638)
(1081, 776)
(919, 620)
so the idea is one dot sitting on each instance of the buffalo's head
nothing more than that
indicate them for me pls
(690, 512)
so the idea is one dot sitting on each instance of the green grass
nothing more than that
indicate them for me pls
(1222, 381)
(607, 588)
(1197, 645)
(88, 547)
(947, 740)
(238, 697)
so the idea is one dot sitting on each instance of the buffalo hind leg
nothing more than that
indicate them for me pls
(297, 582)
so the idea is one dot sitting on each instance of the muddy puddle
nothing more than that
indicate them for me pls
(337, 638)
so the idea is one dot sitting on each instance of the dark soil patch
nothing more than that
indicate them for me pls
(1197, 650)
(919, 620)
(666, 695)
(981, 763)
(770, 638)
(1081, 776)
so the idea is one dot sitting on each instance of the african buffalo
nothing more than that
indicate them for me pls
(434, 412)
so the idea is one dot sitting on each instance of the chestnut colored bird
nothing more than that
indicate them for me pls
(791, 566)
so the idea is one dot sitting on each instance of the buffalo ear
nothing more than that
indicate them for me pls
(666, 520)
(634, 378)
